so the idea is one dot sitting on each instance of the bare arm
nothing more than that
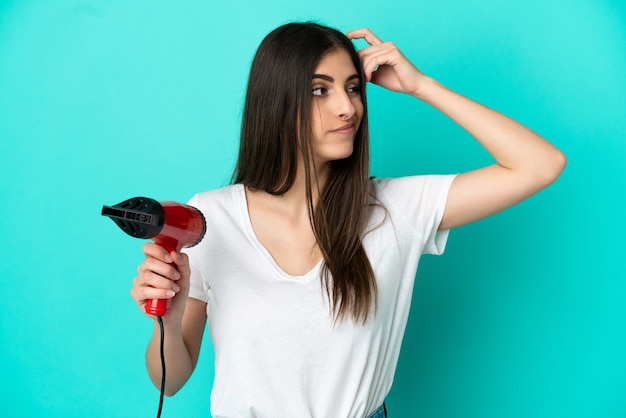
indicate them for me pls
(525, 162)
(181, 348)
(183, 325)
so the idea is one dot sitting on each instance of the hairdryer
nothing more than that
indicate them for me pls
(171, 225)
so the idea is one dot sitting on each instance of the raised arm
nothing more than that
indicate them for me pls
(525, 162)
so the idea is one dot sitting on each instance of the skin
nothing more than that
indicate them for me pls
(337, 108)
(281, 223)
(525, 164)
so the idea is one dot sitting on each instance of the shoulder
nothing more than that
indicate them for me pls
(419, 200)
(224, 211)
(224, 196)
(412, 207)
(411, 187)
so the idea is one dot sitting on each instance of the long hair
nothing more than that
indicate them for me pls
(276, 116)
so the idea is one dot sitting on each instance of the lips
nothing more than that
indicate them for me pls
(345, 129)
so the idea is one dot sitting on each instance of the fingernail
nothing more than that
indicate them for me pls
(170, 293)
(175, 288)
(168, 258)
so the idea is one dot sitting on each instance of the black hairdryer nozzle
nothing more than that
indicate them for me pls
(139, 217)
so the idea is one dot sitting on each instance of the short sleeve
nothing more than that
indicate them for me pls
(420, 201)
(198, 288)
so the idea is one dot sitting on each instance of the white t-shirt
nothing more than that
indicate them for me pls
(278, 352)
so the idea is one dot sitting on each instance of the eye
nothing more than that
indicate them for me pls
(319, 91)
(354, 90)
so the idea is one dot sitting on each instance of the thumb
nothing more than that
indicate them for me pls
(182, 263)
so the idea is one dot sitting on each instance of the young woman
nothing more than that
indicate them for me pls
(307, 267)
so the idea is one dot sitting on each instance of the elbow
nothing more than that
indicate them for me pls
(558, 163)
(170, 392)
(551, 168)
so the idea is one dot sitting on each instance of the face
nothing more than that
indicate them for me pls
(336, 109)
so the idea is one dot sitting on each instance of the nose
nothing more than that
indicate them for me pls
(344, 107)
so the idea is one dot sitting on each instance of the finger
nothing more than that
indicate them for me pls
(386, 54)
(161, 268)
(366, 34)
(156, 251)
(387, 49)
(152, 279)
(182, 263)
(142, 293)
(372, 60)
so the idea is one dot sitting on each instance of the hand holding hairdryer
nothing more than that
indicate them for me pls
(171, 225)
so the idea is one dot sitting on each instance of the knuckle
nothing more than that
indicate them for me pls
(172, 271)
(184, 260)
(147, 264)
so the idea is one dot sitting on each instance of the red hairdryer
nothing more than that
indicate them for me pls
(171, 225)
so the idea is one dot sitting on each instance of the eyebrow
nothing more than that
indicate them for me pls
(332, 80)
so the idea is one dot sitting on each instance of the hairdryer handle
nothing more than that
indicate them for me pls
(157, 307)
(160, 307)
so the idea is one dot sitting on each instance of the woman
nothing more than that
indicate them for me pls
(307, 268)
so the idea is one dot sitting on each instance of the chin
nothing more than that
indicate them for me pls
(342, 155)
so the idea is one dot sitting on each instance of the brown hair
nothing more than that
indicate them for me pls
(276, 114)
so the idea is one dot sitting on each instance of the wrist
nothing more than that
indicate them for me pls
(171, 325)
(425, 88)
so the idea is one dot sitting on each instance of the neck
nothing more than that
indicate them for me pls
(296, 196)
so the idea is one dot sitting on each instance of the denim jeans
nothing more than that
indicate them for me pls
(380, 412)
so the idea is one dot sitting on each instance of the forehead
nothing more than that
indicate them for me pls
(337, 64)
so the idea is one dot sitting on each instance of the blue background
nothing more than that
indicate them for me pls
(524, 316)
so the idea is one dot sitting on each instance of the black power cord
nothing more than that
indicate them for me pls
(160, 319)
